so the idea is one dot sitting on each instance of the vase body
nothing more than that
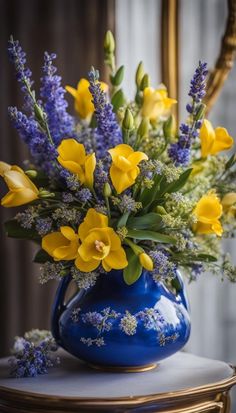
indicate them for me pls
(116, 325)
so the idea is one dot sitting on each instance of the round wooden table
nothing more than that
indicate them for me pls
(182, 383)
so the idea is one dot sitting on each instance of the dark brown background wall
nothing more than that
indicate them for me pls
(74, 29)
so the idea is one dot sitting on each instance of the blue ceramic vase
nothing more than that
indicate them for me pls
(116, 326)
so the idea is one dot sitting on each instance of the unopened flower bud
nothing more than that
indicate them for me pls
(38, 113)
(146, 261)
(118, 78)
(31, 173)
(145, 82)
(128, 121)
(143, 128)
(43, 193)
(161, 210)
(139, 74)
(200, 112)
(109, 42)
(169, 127)
(107, 190)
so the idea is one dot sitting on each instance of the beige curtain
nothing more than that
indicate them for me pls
(74, 29)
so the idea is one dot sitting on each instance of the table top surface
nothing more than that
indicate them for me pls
(74, 379)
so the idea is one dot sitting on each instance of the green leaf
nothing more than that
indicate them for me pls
(42, 256)
(230, 162)
(123, 220)
(133, 270)
(205, 257)
(176, 284)
(118, 100)
(149, 221)
(15, 230)
(150, 235)
(176, 185)
(148, 195)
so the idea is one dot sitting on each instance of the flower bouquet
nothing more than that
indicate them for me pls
(119, 201)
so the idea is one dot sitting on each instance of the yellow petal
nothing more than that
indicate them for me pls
(208, 208)
(207, 137)
(116, 259)
(18, 197)
(228, 200)
(86, 266)
(72, 91)
(68, 233)
(67, 252)
(137, 157)
(71, 150)
(90, 165)
(106, 267)
(52, 241)
(146, 261)
(120, 150)
(88, 249)
(120, 180)
(73, 167)
(210, 228)
(18, 180)
(93, 219)
(223, 141)
(115, 241)
(4, 167)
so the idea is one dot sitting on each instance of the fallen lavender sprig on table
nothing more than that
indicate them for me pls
(33, 354)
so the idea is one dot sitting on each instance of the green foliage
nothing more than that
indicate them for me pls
(150, 221)
(42, 256)
(15, 230)
(134, 269)
(151, 236)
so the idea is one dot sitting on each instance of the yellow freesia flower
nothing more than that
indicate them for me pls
(62, 245)
(99, 244)
(124, 169)
(21, 188)
(156, 103)
(83, 98)
(214, 141)
(208, 212)
(229, 203)
(72, 156)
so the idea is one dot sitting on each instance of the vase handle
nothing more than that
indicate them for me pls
(181, 290)
(59, 306)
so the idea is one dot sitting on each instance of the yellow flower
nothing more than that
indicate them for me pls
(72, 156)
(229, 203)
(208, 212)
(99, 244)
(21, 188)
(124, 169)
(146, 261)
(214, 141)
(62, 245)
(156, 103)
(83, 98)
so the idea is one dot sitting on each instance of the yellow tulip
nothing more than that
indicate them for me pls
(208, 212)
(146, 261)
(99, 244)
(156, 103)
(21, 188)
(229, 203)
(72, 156)
(124, 169)
(62, 245)
(83, 98)
(214, 141)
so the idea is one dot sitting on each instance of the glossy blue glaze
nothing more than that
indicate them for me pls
(143, 340)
